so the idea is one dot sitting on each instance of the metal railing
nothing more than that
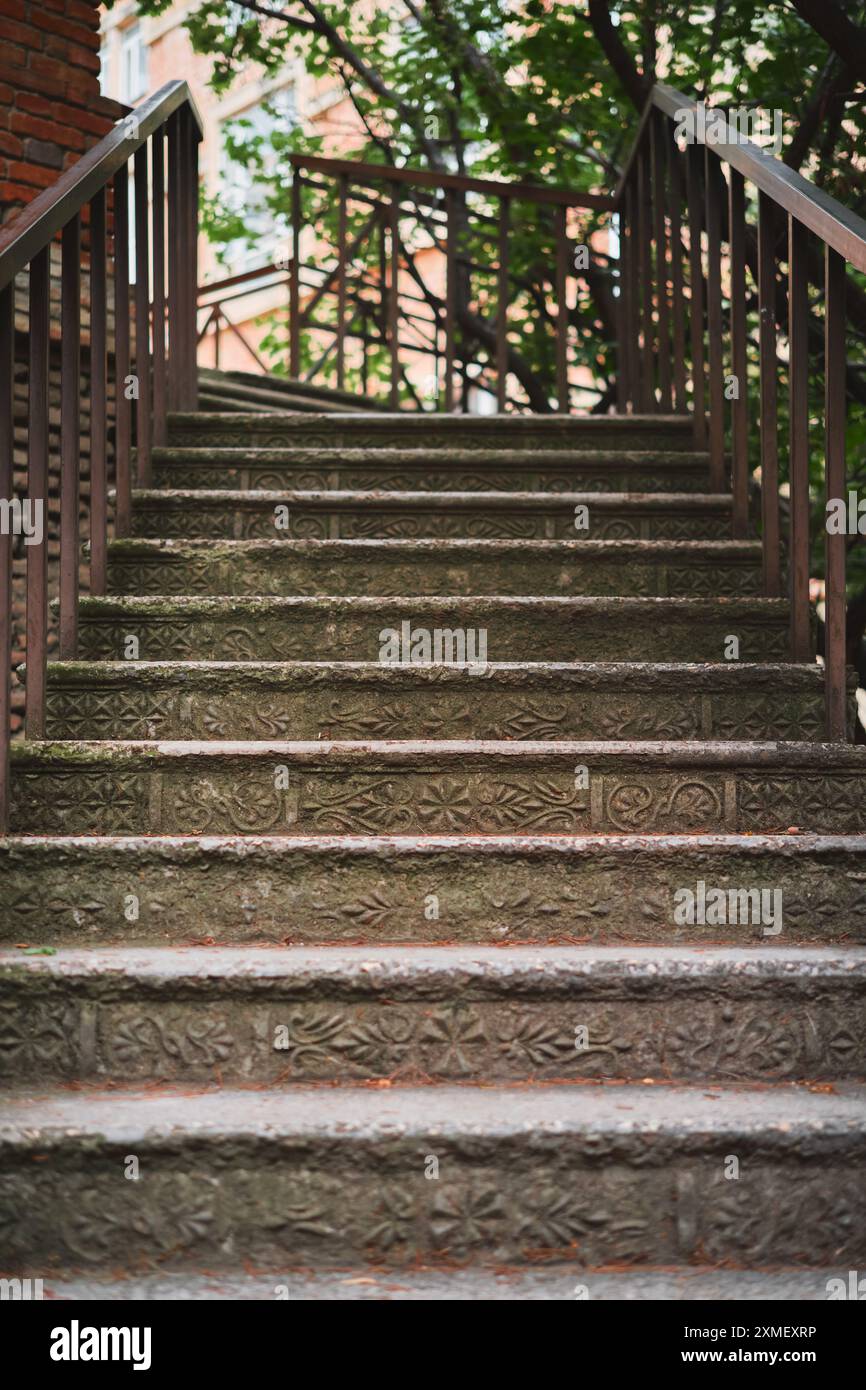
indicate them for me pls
(213, 295)
(678, 211)
(155, 365)
(440, 322)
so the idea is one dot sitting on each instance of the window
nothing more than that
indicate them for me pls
(105, 69)
(243, 192)
(133, 65)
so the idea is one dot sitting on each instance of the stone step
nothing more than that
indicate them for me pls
(229, 395)
(404, 430)
(244, 515)
(425, 470)
(298, 567)
(327, 699)
(242, 402)
(518, 628)
(549, 889)
(282, 387)
(278, 1016)
(329, 1177)
(370, 1283)
(435, 787)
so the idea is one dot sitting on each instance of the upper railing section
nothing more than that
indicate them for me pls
(139, 311)
(836, 225)
(407, 281)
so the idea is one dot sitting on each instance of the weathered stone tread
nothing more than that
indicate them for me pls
(549, 700)
(492, 888)
(443, 1013)
(456, 566)
(370, 1283)
(436, 786)
(342, 514)
(327, 1177)
(543, 628)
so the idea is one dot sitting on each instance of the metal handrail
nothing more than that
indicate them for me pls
(360, 172)
(49, 212)
(657, 301)
(839, 227)
(161, 136)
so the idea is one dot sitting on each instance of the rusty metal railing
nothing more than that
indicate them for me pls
(684, 233)
(161, 139)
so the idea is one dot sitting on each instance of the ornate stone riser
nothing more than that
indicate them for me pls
(327, 629)
(515, 1177)
(307, 567)
(259, 521)
(421, 791)
(249, 889)
(427, 1018)
(212, 708)
(439, 432)
(361, 471)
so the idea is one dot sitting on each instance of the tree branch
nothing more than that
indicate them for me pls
(374, 80)
(635, 83)
(830, 21)
(833, 80)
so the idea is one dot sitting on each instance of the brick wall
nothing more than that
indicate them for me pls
(51, 109)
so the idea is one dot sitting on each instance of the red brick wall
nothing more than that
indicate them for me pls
(51, 110)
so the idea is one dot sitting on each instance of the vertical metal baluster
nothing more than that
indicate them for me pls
(37, 492)
(644, 195)
(382, 316)
(159, 356)
(98, 395)
(341, 281)
(122, 403)
(394, 294)
(718, 482)
(657, 140)
(835, 610)
(142, 319)
(633, 296)
(70, 427)
(191, 265)
(622, 357)
(798, 378)
(186, 343)
(7, 447)
(740, 405)
(770, 525)
(295, 285)
(450, 296)
(694, 176)
(189, 257)
(562, 401)
(674, 161)
(175, 330)
(502, 304)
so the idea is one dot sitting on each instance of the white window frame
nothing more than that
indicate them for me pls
(133, 64)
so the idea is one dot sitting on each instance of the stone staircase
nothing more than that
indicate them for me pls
(370, 980)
